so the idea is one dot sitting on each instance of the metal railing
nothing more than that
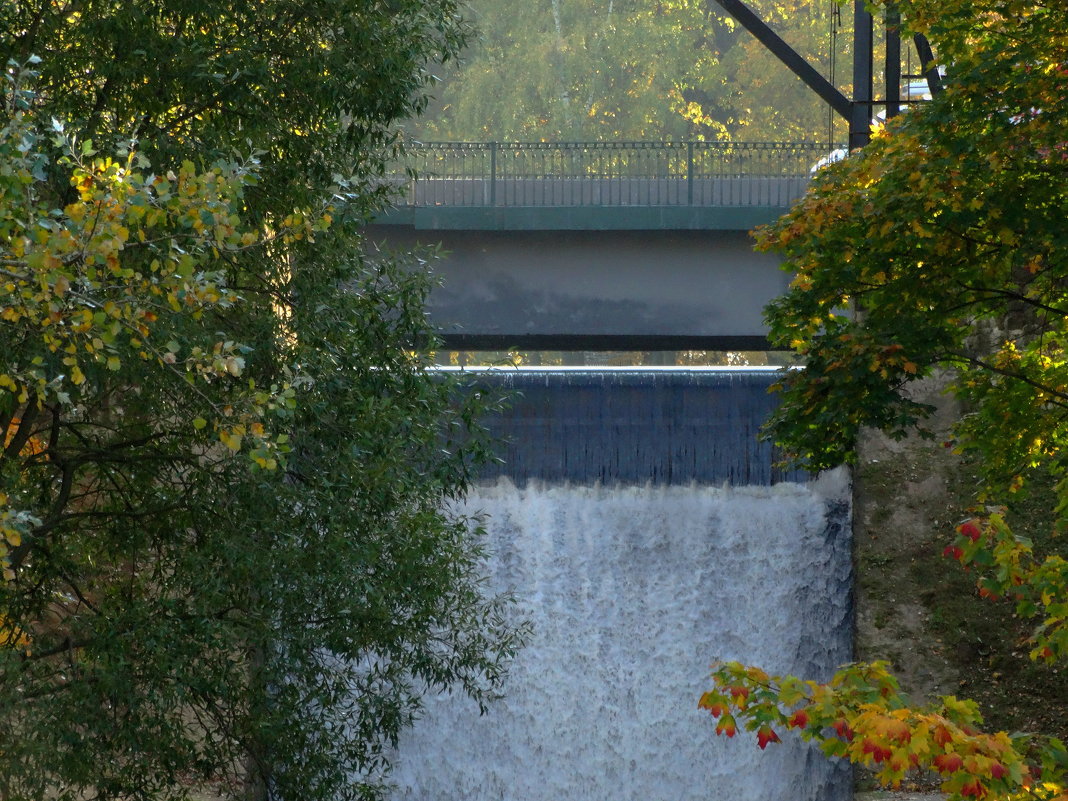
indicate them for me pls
(606, 173)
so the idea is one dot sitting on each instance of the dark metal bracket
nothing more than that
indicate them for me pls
(930, 71)
(788, 56)
(858, 110)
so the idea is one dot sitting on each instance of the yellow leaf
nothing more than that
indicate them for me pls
(231, 441)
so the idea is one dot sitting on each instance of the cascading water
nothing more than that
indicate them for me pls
(633, 587)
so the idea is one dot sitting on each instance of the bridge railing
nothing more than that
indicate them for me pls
(606, 173)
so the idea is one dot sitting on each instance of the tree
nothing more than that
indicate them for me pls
(603, 70)
(941, 245)
(227, 551)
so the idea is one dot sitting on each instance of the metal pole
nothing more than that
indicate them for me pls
(930, 71)
(689, 173)
(493, 174)
(863, 45)
(892, 68)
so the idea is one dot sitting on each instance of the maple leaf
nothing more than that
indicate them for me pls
(766, 735)
(799, 720)
(740, 694)
(716, 709)
(948, 763)
(878, 753)
(942, 735)
(894, 729)
(727, 726)
(843, 730)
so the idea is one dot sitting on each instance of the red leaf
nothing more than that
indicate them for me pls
(716, 709)
(942, 736)
(843, 730)
(726, 726)
(953, 551)
(766, 735)
(878, 752)
(948, 763)
(799, 720)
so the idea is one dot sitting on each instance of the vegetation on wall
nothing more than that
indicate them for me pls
(946, 239)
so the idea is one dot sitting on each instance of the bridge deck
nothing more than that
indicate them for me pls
(600, 186)
(608, 245)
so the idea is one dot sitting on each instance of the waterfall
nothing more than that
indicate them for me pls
(633, 588)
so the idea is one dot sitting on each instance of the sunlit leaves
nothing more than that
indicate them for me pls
(1008, 567)
(113, 280)
(860, 715)
(945, 237)
(941, 247)
(604, 70)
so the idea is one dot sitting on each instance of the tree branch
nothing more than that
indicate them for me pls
(983, 365)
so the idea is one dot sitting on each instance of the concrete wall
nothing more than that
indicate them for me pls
(702, 285)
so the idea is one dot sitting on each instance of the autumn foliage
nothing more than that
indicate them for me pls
(227, 559)
(940, 246)
(114, 279)
(861, 716)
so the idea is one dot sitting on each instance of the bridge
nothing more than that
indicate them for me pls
(598, 246)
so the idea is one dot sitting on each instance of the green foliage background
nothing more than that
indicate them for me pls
(604, 70)
(229, 555)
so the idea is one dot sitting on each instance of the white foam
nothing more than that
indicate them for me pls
(632, 593)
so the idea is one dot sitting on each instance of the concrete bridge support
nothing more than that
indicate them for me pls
(597, 289)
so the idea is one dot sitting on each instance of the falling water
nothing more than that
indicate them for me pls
(633, 589)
